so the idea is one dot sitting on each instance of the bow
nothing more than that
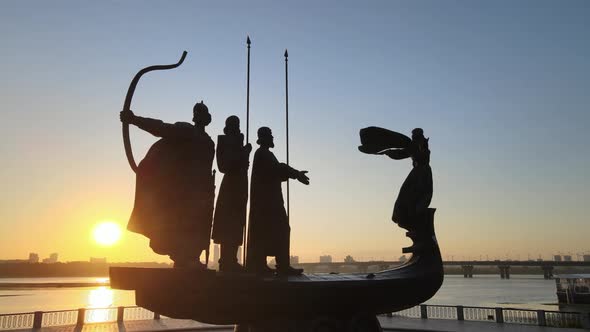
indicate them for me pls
(127, 105)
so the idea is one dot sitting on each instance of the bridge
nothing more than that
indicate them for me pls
(468, 266)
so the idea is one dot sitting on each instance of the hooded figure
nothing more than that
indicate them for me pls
(175, 187)
(230, 211)
(269, 231)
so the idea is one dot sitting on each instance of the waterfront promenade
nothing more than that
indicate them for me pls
(388, 324)
(419, 318)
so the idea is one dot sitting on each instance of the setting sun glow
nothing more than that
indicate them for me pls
(107, 233)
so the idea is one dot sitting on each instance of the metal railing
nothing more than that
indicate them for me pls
(520, 316)
(59, 318)
(413, 312)
(441, 311)
(481, 314)
(83, 316)
(16, 321)
(563, 319)
(497, 315)
(78, 317)
(138, 313)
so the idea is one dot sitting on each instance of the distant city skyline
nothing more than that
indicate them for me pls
(581, 256)
(501, 89)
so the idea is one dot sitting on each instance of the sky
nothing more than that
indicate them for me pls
(500, 87)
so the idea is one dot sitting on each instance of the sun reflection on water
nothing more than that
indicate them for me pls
(104, 280)
(100, 301)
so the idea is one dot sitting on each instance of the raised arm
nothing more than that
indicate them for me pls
(156, 127)
(268, 164)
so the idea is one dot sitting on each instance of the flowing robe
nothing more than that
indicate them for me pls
(175, 190)
(269, 229)
(414, 196)
(230, 209)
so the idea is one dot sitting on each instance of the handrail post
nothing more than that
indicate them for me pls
(37, 319)
(156, 316)
(499, 315)
(460, 314)
(541, 318)
(81, 317)
(423, 311)
(120, 314)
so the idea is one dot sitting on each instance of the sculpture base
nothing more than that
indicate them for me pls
(221, 298)
(217, 298)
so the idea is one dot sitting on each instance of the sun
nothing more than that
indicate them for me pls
(107, 233)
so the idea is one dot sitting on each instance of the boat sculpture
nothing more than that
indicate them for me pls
(217, 298)
(309, 302)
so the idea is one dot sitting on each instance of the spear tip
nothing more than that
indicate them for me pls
(286, 53)
(248, 40)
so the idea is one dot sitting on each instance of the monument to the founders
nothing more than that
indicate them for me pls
(282, 300)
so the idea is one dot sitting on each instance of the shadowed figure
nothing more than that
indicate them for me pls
(328, 302)
(269, 231)
(416, 192)
(175, 187)
(230, 211)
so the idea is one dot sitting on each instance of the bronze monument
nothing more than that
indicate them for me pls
(288, 300)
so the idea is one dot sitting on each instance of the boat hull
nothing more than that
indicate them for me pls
(217, 298)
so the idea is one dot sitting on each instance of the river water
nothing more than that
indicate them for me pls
(521, 291)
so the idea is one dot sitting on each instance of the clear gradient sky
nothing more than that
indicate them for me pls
(500, 87)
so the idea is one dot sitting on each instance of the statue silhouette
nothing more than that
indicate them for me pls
(329, 302)
(269, 231)
(230, 211)
(174, 208)
(175, 187)
(416, 192)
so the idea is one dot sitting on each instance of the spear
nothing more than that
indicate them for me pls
(248, 42)
(287, 122)
(248, 94)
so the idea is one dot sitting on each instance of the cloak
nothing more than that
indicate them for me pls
(175, 190)
(414, 195)
(230, 209)
(269, 227)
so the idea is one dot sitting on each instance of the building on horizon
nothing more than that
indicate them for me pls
(557, 258)
(402, 259)
(12, 261)
(294, 260)
(33, 258)
(567, 258)
(326, 259)
(51, 259)
(98, 260)
(586, 258)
